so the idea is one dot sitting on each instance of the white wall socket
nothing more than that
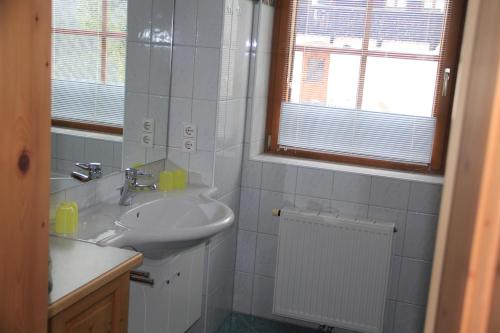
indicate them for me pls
(189, 145)
(147, 140)
(148, 125)
(189, 131)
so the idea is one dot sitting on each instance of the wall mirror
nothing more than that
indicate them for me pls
(111, 62)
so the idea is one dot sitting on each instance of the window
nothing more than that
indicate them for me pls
(369, 82)
(88, 64)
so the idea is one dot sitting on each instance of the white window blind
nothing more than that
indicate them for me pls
(364, 77)
(88, 60)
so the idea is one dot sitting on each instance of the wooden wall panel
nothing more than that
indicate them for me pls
(24, 163)
(465, 250)
(482, 278)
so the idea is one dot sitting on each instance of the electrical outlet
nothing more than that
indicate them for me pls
(189, 131)
(189, 145)
(148, 125)
(147, 140)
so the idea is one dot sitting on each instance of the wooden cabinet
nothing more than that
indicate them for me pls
(103, 311)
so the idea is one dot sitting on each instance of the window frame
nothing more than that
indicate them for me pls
(281, 66)
(104, 34)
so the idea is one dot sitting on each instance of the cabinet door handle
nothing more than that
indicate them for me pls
(140, 273)
(142, 279)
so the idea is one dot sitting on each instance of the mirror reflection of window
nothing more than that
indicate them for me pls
(396, 3)
(88, 63)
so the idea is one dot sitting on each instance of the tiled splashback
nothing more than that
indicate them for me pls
(100, 190)
(69, 147)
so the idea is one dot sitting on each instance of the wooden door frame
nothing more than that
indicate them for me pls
(465, 286)
(24, 163)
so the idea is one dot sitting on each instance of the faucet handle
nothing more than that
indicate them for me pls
(132, 174)
(144, 174)
(94, 169)
(92, 166)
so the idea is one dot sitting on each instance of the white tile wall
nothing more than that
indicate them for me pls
(398, 217)
(68, 149)
(185, 22)
(139, 24)
(414, 281)
(149, 48)
(245, 259)
(351, 187)
(183, 71)
(279, 177)
(249, 209)
(159, 70)
(312, 203)
(262, 299)
(242, 301)
(420, 236)
(161, 22)
(138, 61)
(180, 112)
(413, 245)
(99, 150)
(204, 115)
(209, 89)
(206, 73)
(158, 111)
(314, 182)
(269, 200)
(424, 198)
(387, 192)
(265, 254)
(209, 23)
(408, 318)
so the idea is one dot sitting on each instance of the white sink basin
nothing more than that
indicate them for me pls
(170, 222)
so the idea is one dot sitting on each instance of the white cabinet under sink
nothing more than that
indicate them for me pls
(173, 303)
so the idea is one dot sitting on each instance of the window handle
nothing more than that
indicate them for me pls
(446, 79)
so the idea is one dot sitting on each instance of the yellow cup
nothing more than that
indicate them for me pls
(180, 179)
(166, 181)
(76, 216)
(66, 218)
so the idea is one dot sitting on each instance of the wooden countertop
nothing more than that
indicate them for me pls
(79, 268)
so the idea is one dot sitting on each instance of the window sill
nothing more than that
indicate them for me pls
(301, 162)
(87, 134)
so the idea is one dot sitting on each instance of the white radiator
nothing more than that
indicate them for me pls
(332, 270)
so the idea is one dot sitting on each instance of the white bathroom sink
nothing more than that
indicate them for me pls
(170, 222)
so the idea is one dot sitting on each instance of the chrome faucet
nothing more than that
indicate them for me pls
(94, 171)
(130, 186)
